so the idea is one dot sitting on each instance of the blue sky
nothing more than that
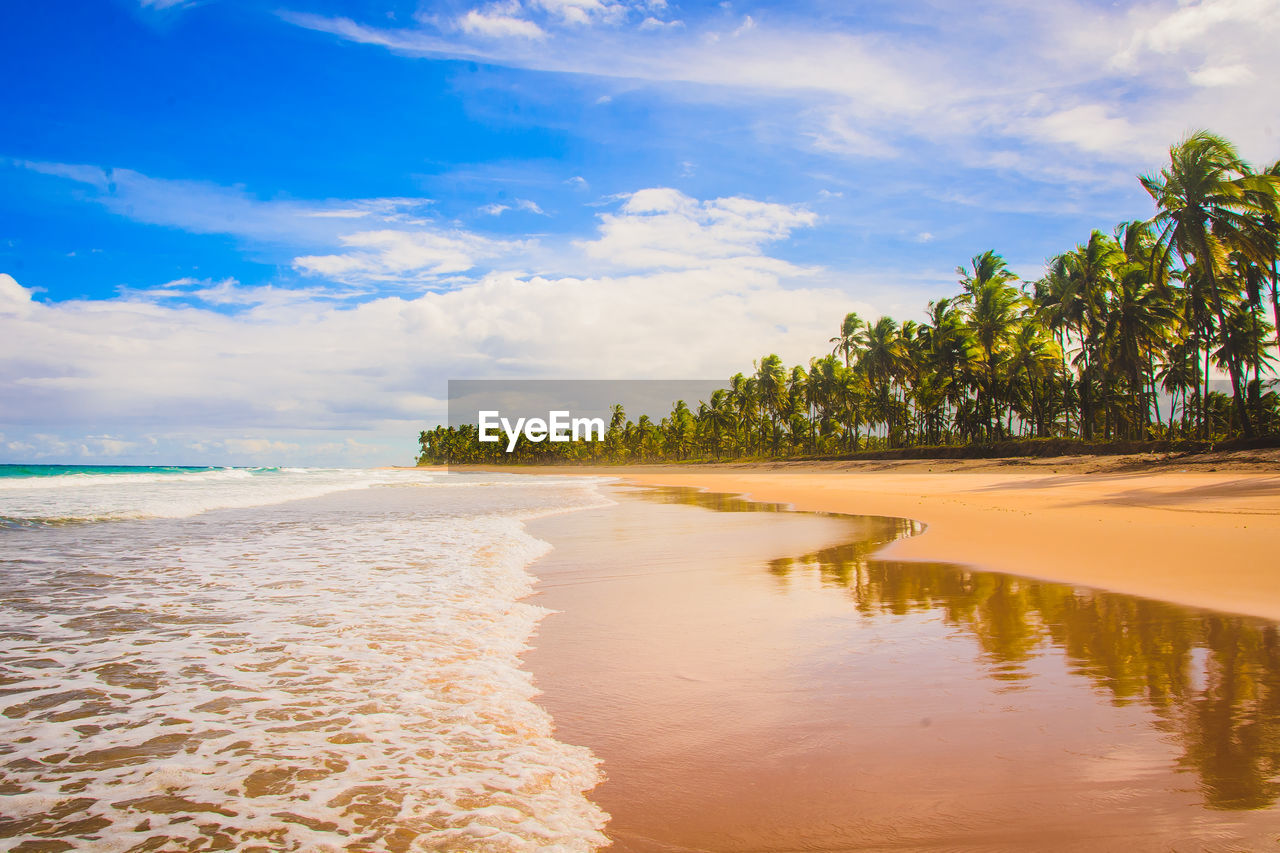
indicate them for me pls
(243, 232)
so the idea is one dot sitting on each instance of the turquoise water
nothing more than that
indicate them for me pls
(43, 495)
(28, 470)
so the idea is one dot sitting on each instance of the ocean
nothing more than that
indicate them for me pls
(279, 659)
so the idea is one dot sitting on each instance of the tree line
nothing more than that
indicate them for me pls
(1117, 340)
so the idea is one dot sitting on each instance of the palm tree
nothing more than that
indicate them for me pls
(1245, 340)
(743, 399)
(1180, 374)
(720, 418)
(1074, 295)
(1033, 358)
(1206, 202)
(994, 304)
(678, 429)
(949, 349)
(1137, 317)
(771, 379)
(1270, 223)
(881, 361)
(1059, 305)
(852, 393)
(851, 337)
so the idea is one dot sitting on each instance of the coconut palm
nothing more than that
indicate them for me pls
(851, 338)
(1033, 358)
(881, 361)
(994, 304)
(1207, 201)
(771, 380)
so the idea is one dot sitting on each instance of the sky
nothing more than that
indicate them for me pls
(248, 233)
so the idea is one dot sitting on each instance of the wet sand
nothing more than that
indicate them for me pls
(760, 681)
(1172, 531)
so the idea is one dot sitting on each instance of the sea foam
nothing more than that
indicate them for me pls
(340, 674)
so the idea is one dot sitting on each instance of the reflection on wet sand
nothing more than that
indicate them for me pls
(1212, 680)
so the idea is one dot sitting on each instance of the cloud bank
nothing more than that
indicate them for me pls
(213, 371)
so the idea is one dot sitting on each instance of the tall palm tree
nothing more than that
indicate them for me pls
(851, 338)
(1033, 358)
(1179, 374)
(1245, 339)
(1206, 201)
(994, 304)
(1059, 305)
(720, 418)
(881, 361)
(771, 379)
(950, 349)
(1083, 278)
(1271, 224)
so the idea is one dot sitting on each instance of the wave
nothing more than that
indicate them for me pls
(339, 675)
(128, 495)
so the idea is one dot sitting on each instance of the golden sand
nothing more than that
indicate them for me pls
(1209, 538)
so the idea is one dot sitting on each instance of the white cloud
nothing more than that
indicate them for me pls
(400, 256)
(664, 228)
(1133, 79)
(397, 240)
(652, 23)
(1221, 75)
(499, 26)
(838, 135)
(228, 292)
(1089, 127)
(259, 446)
(295, 378)
(15, 300)
(1191, 22)
(106, 445)
(206, 208)
(767, 60)
(524, 204)
(583, 12)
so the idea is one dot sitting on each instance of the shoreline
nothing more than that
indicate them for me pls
(1199, 538)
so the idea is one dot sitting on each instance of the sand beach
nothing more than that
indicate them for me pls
(1201, 530)
(1050, 656)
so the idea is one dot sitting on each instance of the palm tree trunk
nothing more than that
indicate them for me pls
(1066, 381)
(1204, 398)
(991, 397)
(1233, 364)
(1275, 302)
(1155, 395)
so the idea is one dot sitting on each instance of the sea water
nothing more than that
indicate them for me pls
(278, 659)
